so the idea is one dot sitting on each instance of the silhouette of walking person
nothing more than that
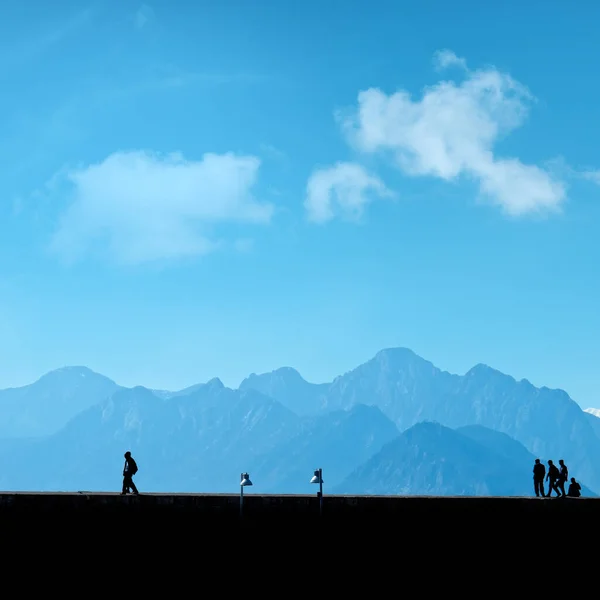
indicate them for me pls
(129, 470)
(574, 489)
(552, 478)
(539, 472)
(563, 477)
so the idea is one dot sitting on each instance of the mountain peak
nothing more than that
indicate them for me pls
(215, 382)
(287, 386)
(397, 353)
(288, 373)
(427, 428)
(481, 369)
(69, 370)
(71, 373)
(400, 358)
(41, 408)
(212, 385)
(282, 375)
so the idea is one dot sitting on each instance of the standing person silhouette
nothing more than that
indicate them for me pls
(552, 477)
(563, 477)
(129, 470)
(539, 472)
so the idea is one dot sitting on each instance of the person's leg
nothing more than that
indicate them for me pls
(132, 486)
(127, 484)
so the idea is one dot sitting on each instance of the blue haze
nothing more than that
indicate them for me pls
(393, 425)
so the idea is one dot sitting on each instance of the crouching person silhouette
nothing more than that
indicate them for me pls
(574, 489)
(129, 470)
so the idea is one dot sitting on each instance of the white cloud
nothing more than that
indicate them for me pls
(342, 189)
(146, 207)
(451, 131)
(446, 58)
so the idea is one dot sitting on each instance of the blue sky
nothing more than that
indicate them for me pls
(199, 189)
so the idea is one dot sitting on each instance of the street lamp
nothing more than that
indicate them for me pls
(244, 481)
(318, 478)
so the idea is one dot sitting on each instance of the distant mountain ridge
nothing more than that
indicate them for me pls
(280, 425)
(409, 389)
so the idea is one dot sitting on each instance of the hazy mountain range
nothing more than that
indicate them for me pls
(396, 424)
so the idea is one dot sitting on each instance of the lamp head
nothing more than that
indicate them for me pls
(317, 477)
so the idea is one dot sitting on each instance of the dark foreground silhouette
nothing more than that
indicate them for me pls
(556, 478)
(282, 535)
(574, 489)
(129, 470)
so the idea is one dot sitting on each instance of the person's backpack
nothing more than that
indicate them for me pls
(133, 468)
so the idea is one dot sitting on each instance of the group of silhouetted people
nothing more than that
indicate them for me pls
(556, 478)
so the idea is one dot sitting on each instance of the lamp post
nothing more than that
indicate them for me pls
(318, 478)
(244, 481)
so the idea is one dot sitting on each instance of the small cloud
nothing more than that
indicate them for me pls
(143, 16)
(143, 207)
(344, 188)
(443, 59)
